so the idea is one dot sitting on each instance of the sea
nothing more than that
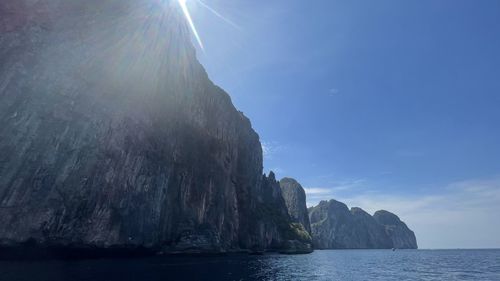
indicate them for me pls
(339, 265)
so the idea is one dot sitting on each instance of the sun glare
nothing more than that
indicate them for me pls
(189, 19)
(217, 14)
(185, 10)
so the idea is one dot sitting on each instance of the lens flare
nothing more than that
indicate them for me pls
(217, 14)
(185, 10)
(189, 19)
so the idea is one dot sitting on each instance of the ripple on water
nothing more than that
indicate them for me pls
(342, 265)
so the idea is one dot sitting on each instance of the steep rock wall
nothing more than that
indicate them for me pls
(111, 134)
(295, 199)
(334, 226)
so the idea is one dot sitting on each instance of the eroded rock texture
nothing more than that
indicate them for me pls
(295, 199)
(402, 237)
(111, 134)
(334, 226)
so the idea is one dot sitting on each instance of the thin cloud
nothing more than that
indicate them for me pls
(269, 149)
(317, 190)
(266, 150)
(278, 171)
(317, 194)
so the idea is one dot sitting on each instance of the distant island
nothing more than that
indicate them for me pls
(333, 226)
(113, 139)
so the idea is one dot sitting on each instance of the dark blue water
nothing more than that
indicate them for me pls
(321, 265)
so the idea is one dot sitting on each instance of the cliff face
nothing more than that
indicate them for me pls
(402, 237)
(371, 235)
(274, 212)
(334, 226)
(295, 199)
(111, 134)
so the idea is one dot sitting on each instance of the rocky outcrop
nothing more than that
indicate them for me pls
(272, 220)
(334, 226)
(402, 237)
(370, 234)
(112, 136)
(293, 247)
(295, 199)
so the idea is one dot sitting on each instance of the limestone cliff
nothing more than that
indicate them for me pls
(112, 135)
(334, 226)
(402, 237)
(295, 199)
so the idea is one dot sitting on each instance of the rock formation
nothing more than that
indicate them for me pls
(402, 237)
(112, 135)
(295, 199)
(334, 226)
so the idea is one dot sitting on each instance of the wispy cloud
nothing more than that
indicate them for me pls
(266, 150)
(318, 190)
(334, 189)
(462, 215)
(278, 171)
(269, 149)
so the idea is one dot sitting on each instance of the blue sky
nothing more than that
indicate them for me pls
(382, 104)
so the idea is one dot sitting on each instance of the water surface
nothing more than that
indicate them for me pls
(342, 265)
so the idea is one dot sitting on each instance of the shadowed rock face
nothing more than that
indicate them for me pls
(295, 199)
(111, 134)
(334, 226)
(402, 237)
(370, 234)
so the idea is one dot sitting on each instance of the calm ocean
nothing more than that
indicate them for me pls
(342, 265)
